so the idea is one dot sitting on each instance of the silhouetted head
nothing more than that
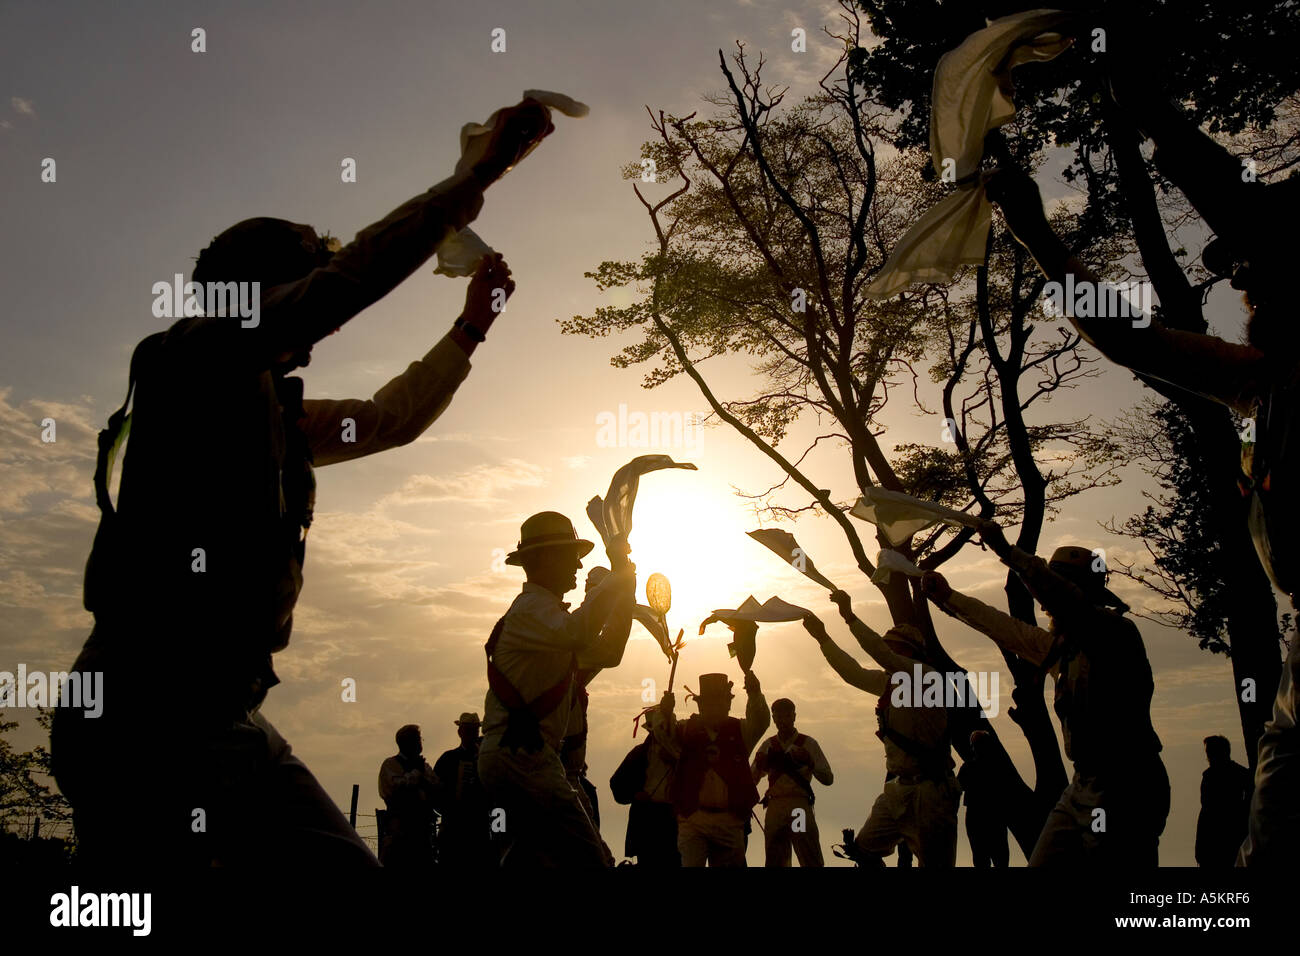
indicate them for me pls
(1217, 750)
(467, 727)
(595, 576)
(409, 743)
(783, 715)
(550, 552)
(1086, 570)
(270, 251)
(714, 698)
(907, 640)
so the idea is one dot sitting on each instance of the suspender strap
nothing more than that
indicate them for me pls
(530, 712)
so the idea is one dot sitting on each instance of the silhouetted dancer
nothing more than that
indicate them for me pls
(1225, 806)
(790, 760)
(918, 805)
(1255, 247)
(713, 790)
(464, 830)
(535, 654)
(1113, 810)
(408, 786)
(194, 575)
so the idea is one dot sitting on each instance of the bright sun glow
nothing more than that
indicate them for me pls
(699, 542)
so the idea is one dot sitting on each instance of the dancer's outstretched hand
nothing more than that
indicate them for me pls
(518, 130)
(936, 587)
(482, 301)
(814, 626)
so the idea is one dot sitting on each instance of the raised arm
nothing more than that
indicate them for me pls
(1061, 598)
(757, 715)
(853, 673)
(298, 314)
(1026, 641)
(868, 639)
(609, 647)
(1206, 365)
(404, 408)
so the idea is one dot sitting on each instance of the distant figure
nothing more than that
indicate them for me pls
(986, 825)
(643, 782)
(713, 791)
(196, 568)
(1226, 787)
(918, 806)
(534, 656)
(464, 832)
(790, 760)
(408, 786)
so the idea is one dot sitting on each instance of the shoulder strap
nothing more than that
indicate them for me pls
(119, 424)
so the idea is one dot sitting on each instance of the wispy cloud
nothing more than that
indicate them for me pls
(22, 106)
(481, 486)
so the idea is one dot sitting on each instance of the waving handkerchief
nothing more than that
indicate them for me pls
(784, 546)
(900, 516)
(460, 254)
(971, 95)
(891, 562)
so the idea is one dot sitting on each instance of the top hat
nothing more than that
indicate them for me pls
(547, 529)
(714, 686)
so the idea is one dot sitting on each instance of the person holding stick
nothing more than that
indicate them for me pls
(713, 791)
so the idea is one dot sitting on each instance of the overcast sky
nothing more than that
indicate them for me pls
(159, 148)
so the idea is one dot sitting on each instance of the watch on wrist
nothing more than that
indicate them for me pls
(473, 331)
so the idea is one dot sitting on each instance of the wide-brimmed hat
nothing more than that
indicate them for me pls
(469, 717)
(713, 686)
(544, 530)
(1076, 563)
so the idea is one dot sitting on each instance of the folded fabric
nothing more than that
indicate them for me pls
(771, 611)
(900, 516)
(891, 562)
(784, 545)
(612, 515)
(971, 95)
(653, 623)
(460, 253)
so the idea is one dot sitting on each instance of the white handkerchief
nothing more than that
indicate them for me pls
(971, 95)
(461, 252)
(891, 562)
